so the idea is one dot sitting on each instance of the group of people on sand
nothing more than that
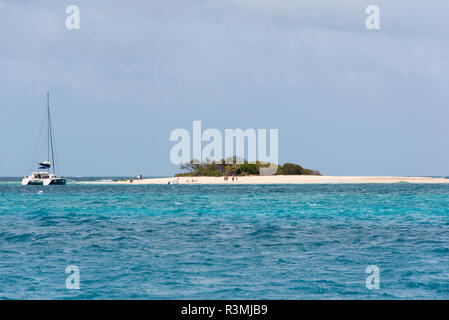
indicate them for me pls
(234, 178)
(226, 178)
(139, 177)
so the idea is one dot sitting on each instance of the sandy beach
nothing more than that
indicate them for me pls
(290, 179)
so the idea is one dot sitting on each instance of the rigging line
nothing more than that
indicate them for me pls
(38, 141)
(54, 143)
(56, 157)
(48, 127)
(51, 142)
(53, 148)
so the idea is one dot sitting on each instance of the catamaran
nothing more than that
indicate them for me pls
(46, 174)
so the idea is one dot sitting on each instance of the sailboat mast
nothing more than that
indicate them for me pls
(50, 137)
(48, 128)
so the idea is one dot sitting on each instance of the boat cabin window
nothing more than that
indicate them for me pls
(41, 176)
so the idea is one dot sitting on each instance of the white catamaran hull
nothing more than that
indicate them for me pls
(54, 181)
(45, 182)
(29, 181)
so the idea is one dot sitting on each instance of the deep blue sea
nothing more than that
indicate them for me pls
(224, 242)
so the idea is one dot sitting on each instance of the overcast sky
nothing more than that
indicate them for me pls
(346, 100)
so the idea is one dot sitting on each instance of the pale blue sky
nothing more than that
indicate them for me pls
(346, 101)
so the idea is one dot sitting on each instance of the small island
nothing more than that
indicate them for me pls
(244, 168)
(243, 173)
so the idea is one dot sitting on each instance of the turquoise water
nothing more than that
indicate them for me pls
(224, 242)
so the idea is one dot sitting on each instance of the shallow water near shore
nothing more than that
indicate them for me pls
(224, 242)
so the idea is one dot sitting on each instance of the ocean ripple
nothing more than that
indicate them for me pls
(225, 242)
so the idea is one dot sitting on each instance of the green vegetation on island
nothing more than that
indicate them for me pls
(221, 168)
